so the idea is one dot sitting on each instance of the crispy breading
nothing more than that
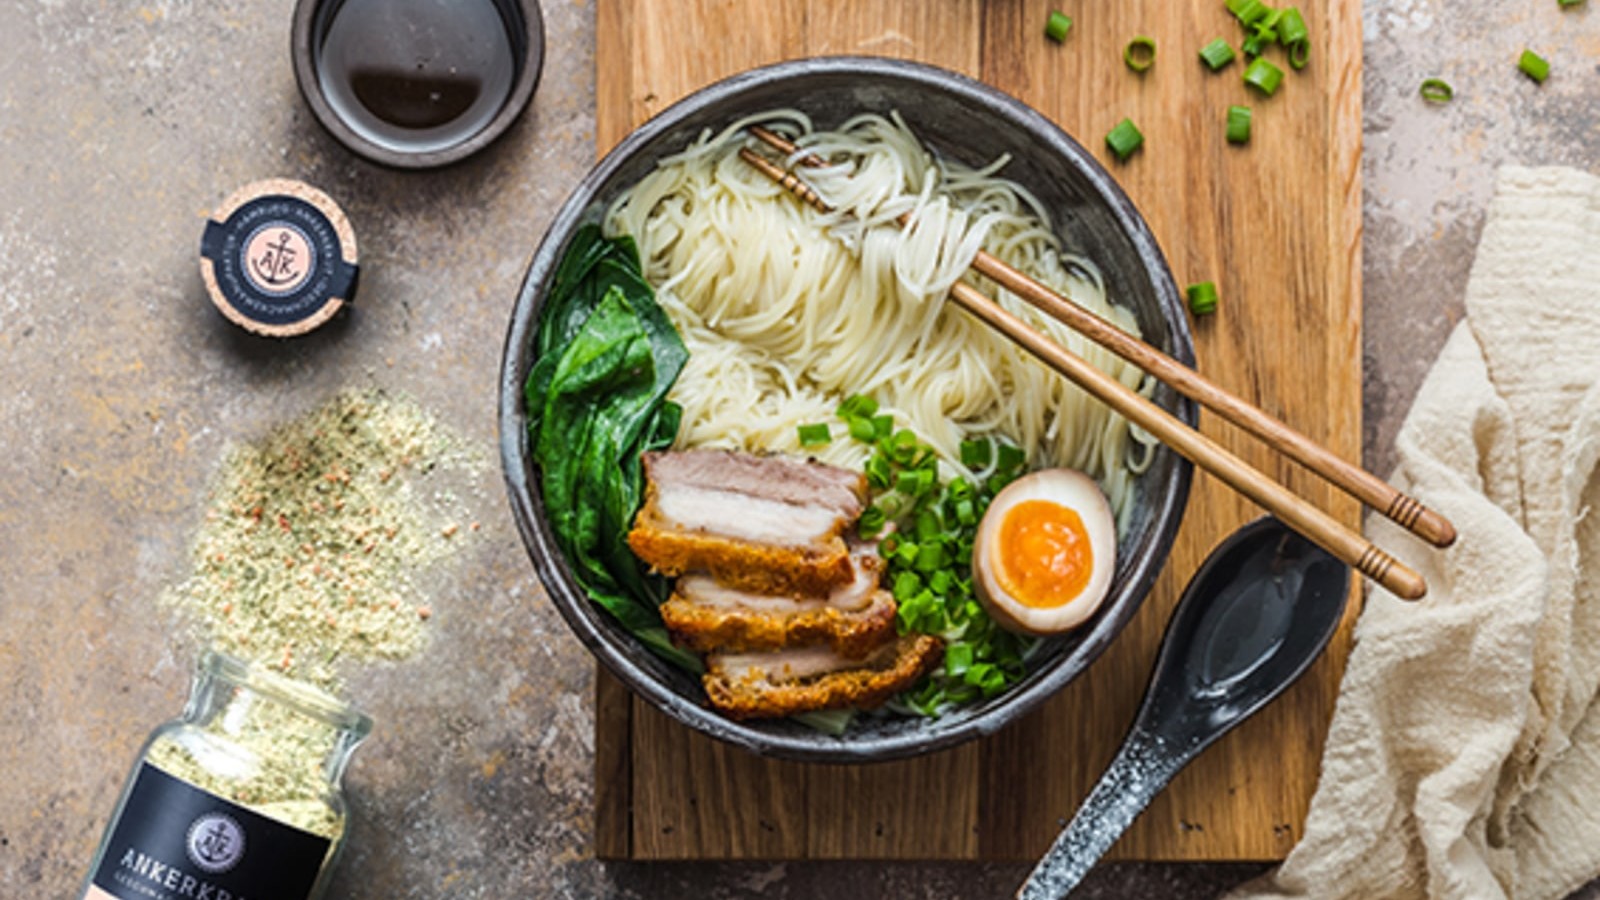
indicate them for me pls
(756, 694)
(850, 632)
(759, 568)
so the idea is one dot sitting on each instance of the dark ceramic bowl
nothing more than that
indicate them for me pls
(964, 120)
(524, 24)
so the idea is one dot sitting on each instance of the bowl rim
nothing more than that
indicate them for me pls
(528, 507)
(305, 37)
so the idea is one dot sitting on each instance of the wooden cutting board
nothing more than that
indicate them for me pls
(1276, 224)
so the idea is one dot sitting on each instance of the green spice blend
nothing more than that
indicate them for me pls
(277, 771)
(312, 538)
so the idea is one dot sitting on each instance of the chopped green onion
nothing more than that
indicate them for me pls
(930, 558)
(1437, 90)
(914, 482)
(879, 471)
(1057, 26)
(905, 552)
(1292, 27)
(1216, 54)
(1534, 66)
(872, 520)
(818, 433)
(862, 429)
(976, 454)
(906, 586)
(882, 427)
(957, 659)
(1299, 54)
(1202, 298)
(1238, 124)
(1124, 139)
(1140, 54)
(1248, 11)
(965, 512)
(903, 447)
(1571, 2)
(1012, 459)
(828, 721)
(1255, 43)
(1295, 37)
(857, 405)
(1263, 76)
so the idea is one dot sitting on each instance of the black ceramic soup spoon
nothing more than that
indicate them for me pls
(1250, 622)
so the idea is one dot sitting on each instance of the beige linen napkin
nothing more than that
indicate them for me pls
(1464, 755)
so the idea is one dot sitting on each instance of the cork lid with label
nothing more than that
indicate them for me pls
(279, 258)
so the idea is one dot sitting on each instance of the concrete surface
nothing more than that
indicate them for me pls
(122, 124)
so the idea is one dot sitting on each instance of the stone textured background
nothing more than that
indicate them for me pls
(122, 125)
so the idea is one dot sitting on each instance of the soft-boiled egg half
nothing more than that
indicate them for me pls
(1045, 551)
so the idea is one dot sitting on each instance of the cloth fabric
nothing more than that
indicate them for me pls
(1463, 760)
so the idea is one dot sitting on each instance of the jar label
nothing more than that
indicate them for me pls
(278, 260)
(174, 841)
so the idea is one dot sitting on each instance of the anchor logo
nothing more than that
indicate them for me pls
(215, 842)
(278, 258)
(276, 266)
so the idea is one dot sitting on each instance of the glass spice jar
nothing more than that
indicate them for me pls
(238, 799)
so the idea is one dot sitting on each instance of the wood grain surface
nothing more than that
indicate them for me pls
(1276, 224)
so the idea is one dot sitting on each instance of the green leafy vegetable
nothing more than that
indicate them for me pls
(596, 399)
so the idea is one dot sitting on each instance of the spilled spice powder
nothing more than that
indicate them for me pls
(312, 538)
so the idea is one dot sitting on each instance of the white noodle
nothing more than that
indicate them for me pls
(786, 311)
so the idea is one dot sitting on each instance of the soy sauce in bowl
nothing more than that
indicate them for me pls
(416, 83)
(416, 75)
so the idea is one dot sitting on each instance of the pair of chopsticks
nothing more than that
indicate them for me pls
(1299, 514)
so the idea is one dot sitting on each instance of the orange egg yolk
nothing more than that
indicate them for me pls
(1043, 555)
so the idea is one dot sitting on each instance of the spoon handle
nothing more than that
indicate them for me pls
(1140, 770)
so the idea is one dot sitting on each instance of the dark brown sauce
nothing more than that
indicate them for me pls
(417, 75)
(414, 102)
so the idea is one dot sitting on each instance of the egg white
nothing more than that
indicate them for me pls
(1068, 488)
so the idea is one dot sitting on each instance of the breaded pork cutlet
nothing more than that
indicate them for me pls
(853, 620)
(805, 679)
(763, 524)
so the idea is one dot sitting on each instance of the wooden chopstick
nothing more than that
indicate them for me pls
(1352, 479)
(1321, 528)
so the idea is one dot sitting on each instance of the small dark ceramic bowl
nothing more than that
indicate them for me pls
(964, 120)
(524, 24)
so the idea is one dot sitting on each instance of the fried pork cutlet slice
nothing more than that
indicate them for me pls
(763, 524)
(804, 679)
(853, 619)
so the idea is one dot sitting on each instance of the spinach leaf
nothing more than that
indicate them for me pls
(596, 400)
